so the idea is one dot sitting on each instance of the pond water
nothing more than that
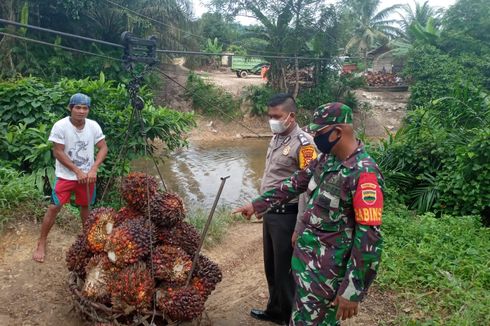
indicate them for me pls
(194, 173)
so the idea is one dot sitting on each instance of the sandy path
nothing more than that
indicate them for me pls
(37, 294)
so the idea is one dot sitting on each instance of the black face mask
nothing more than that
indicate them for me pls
(323, 144)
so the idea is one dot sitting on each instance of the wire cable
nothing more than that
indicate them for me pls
(178, 29)
(120, 60)
(59, 46)
(42, 29)
(207, 102)
(158, 50)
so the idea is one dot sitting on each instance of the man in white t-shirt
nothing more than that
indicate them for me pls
(74, 139)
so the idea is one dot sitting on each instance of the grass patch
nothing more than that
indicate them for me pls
(439, 266)
(222, 220)
(210, 99)
(19, 196)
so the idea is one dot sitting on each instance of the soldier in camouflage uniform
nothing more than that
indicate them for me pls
(337, 254)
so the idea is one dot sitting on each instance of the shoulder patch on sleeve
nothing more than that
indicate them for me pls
(305, 155)
(368, 200)
(303, 139)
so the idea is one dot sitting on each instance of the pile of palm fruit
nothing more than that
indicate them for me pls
(140, 257)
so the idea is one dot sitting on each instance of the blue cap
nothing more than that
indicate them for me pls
(80, 99)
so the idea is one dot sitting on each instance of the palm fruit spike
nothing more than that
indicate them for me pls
(78, 256)
(129, 242)
(166, 209)
(99, 226)
(126, 213)
(136, 187)
(209, 272)
(171, 264)
(95, 286)
(132, 288)
(182, 235)
(180, 304)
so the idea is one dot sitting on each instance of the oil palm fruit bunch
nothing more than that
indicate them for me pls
(132, 288)
(182, 235)
(129, 242)
(209, 272)
(171, 264)
(198, 284)
(95, 286)
(136, 187)
(127, 213)
(180, 304)
(99, 225)
(78, 256)
(166, 209)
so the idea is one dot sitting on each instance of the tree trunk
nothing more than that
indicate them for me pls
(296, 70)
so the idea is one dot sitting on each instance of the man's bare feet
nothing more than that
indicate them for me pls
(40, 252)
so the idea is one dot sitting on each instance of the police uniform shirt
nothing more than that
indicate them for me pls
(285, 155)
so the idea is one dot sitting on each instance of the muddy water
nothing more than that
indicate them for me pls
(194, 173)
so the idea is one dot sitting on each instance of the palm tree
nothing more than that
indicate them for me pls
(419, 26)
(372, 25)
(421, 14)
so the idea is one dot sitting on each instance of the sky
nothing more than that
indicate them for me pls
(200, 8)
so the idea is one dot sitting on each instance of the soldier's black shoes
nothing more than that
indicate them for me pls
(263, 315)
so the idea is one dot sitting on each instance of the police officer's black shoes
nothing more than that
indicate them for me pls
(263, 315)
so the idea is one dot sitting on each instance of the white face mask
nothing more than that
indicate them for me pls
(278, 126)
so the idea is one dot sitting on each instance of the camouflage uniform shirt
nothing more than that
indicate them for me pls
(338, 251)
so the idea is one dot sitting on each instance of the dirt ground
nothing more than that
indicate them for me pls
(229, 81)
(385, 112)
(37, 294)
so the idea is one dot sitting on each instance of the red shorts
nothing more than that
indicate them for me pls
(64, 188)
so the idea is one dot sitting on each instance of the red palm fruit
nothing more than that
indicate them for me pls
(166, 209)
(201, 288)
(209, 272)
(182, 235)
(95, 286)
(171, 264)
(136, 187)
(127, 213)
(180, 304)
(99, 225)
(129, 242)
(78, 256)
(132, 288)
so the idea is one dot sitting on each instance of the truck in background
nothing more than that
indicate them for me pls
(244, 66)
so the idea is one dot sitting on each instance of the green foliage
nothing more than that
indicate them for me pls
(30, 106)
(95, 19)
(220, 223)
(236, 49)
(210, 99)
(434, 74)
(440, 154)
(258, 96)
(16, 187)
(440, 266)
(331, 88)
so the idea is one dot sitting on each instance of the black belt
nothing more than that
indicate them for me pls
(285, 209)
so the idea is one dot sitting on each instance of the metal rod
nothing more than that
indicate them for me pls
(205, 230)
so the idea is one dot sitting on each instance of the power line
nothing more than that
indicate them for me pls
(172, 26)
(234, 55)
(120, 60)
(158, 50)
(58, 46)
(42, 29)
(206, 101)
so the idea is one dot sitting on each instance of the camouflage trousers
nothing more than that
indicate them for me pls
(312, 310)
